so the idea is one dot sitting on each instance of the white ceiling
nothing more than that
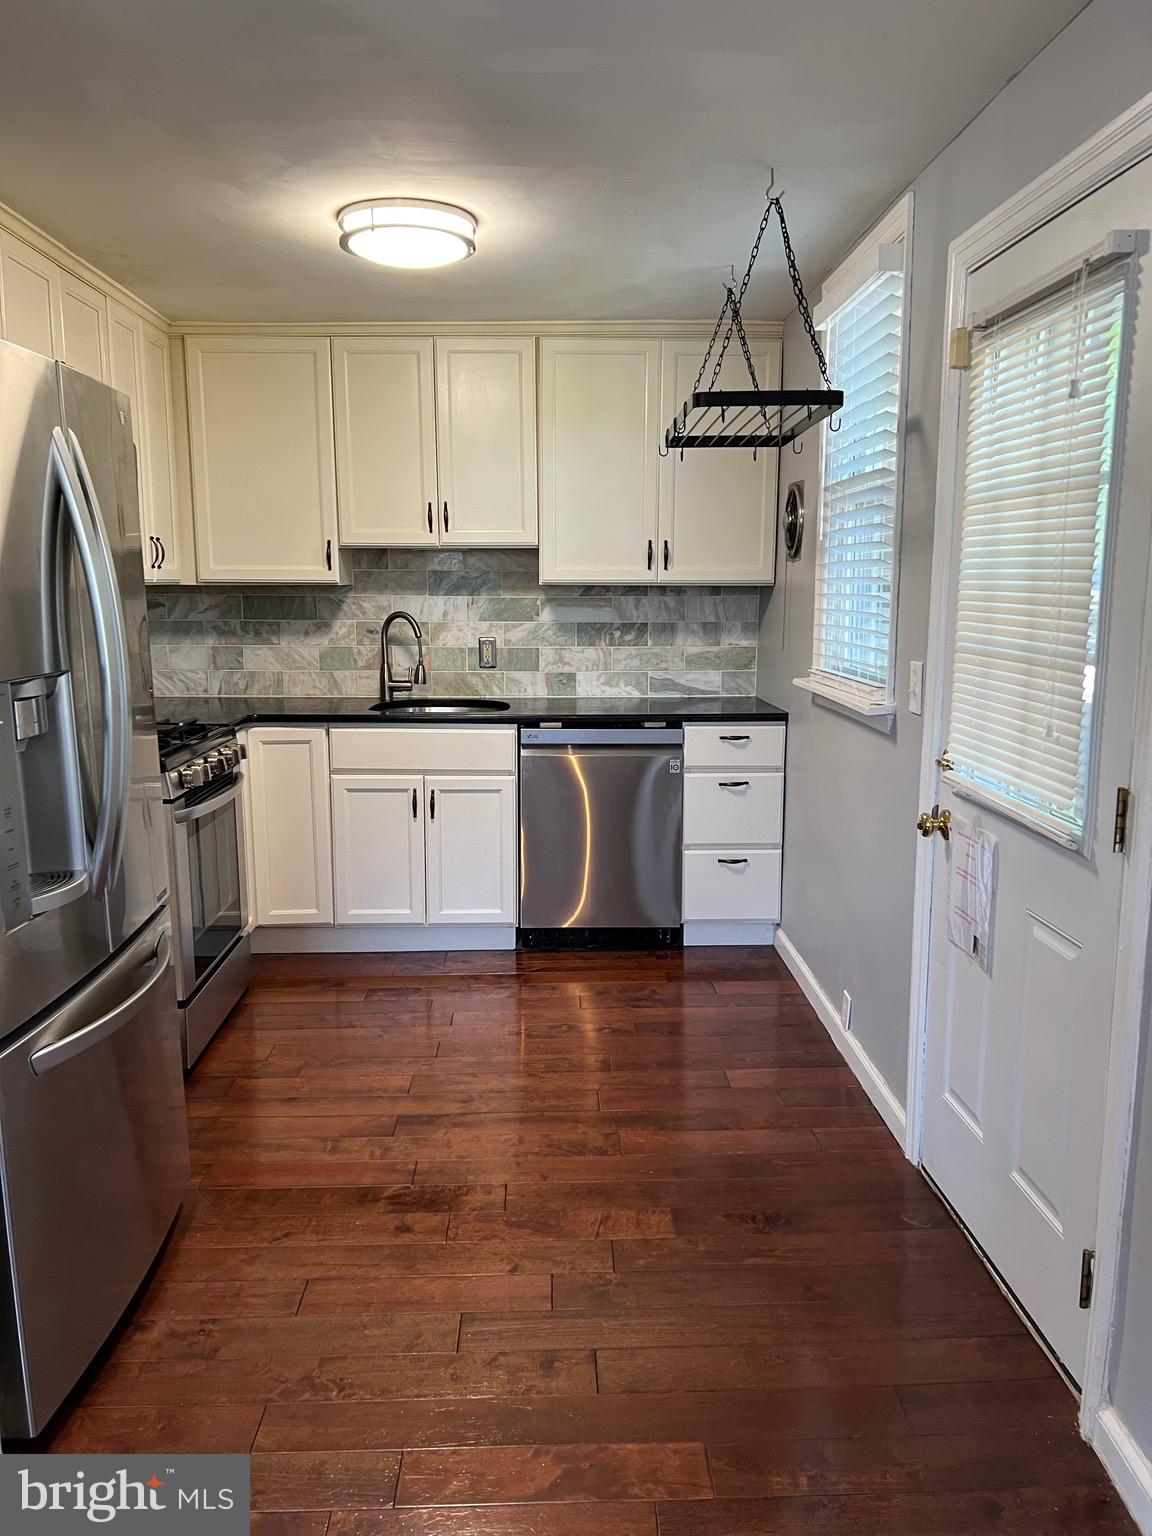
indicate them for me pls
(614, 150)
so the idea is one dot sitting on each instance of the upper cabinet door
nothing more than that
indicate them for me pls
(30, 287)
(717, 505)
(84, 318)
(263, 458)
(599, 430)
(486, 440)
(386, 439)
(156, 454)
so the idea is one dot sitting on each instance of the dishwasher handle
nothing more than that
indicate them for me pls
(601, 736)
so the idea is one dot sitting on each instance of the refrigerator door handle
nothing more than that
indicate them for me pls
(108, 847)
(60, 1051)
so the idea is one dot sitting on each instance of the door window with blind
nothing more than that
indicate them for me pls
(1042, 402)
(854, 626)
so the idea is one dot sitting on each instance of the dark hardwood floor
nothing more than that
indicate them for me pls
(576, 1245)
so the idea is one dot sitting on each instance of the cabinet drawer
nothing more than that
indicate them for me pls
(423, 749)
(736, 810)
(734, 746)
(745, 891)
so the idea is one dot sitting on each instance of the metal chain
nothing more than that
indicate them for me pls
(801, 296)
(733, 304)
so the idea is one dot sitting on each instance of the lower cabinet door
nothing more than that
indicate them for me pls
(471, 836)
(291, 824)
(378, 848)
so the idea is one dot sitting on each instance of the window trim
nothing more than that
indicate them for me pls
(866, 262)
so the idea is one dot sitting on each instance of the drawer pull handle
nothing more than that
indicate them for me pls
(731, 861)
(735, 738)
(732, 784)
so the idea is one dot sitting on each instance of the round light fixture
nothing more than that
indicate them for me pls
(407, 232)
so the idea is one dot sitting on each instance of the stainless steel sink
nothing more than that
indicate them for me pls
(430, 708)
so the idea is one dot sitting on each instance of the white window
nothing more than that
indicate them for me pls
(862, 318)
(1041, 415)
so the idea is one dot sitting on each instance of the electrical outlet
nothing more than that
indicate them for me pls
(487, 649)
(846, 1013)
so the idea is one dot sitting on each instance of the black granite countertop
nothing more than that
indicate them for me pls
(345, 711)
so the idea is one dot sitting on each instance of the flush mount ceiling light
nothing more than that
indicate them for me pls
(407, 232)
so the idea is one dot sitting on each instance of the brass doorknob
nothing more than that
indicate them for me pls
(934, 820)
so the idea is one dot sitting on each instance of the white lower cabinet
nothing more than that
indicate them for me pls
(378, 848)
(471, 841)
(291, 824)
(733, 823)
(424, 825)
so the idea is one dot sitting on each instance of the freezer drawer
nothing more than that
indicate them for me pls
(93, 1166)
(600, 836)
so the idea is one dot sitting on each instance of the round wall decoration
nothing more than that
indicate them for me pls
(794, 520)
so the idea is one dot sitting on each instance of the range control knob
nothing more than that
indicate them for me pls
(230, 756)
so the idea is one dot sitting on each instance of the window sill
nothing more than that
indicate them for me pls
(846, 697)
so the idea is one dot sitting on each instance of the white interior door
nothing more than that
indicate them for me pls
(1046, 611)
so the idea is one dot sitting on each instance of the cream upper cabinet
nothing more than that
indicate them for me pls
(291, 824)
(599, 431)
(386, 439)
(158, 455)
(84, 327)
(30, 290)
(138, 365)
(486, 440)
(717, 505)
(263, 458)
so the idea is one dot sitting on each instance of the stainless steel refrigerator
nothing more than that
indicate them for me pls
(93, 1136)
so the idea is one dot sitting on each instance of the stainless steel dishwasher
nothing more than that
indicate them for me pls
(601, 825)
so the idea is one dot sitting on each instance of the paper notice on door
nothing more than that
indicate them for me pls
(971, 890)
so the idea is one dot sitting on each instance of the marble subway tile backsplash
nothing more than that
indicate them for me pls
(564, 642)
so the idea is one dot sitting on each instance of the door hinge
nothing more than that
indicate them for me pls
(960, 348)
(1120, 825)
(1087, 1277)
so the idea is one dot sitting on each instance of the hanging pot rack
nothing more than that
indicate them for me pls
(752, 418)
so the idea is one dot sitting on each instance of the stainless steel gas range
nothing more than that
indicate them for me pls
(203, 777)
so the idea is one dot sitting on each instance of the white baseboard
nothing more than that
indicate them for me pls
(1126, 1464)
(872, 1080)
(385, 939)
(728, 934)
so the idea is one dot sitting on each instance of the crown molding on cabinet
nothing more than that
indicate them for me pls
(13, 224)
(762, 330)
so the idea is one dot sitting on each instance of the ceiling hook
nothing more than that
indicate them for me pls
(771, 183)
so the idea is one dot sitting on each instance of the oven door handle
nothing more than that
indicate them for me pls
(206, 807)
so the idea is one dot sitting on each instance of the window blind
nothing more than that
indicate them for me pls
(1042, 397)
(856, 554)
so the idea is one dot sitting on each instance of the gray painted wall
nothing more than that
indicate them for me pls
(852, 790)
